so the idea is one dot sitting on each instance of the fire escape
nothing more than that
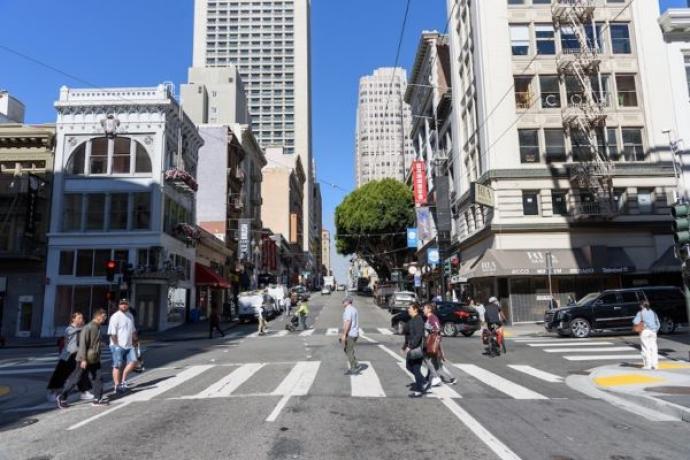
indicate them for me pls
(584, 114)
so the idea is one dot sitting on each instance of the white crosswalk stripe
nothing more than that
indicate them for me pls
(587, 349)
(367, 383)
(332, 331)
(231, 382)
(636, 357)
(534, 372)
(306, 333)
(568, 344)
(443, 391)
(499, 383)
(169, 384)
(299, 380)
(384, 331)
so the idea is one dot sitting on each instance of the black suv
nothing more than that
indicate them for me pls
(615, 309)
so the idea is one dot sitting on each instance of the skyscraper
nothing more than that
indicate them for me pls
(383, 148)
(269, 42)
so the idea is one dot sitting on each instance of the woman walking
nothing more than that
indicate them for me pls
(434, 358)
(67, 362)
(649, 322)
(414, 350)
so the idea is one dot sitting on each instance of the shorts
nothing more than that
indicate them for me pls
(122, 356)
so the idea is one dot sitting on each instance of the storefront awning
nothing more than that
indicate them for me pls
(207, 277)
(496, 262)
(667, 263)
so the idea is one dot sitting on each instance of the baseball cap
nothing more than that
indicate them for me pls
(493, 299)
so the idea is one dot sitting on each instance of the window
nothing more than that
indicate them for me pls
(121, 157)
(84, 262)
(595, 39)
(75, 165)
(620, 199)
(519, 39)
(516, 2)
(66, 263)
(645, 202)
(125, 152)
(98, 162)
(620, 38)
(686, 59)
(601, 92)
(529, 145)
(627, 94)
(523, 94)
(546, 42)
(574, 92)
(569, 41)
(142, 161)
(555, 145)
(559, 203)
(95, 212)
(580, 146)
(633, 150)
(118, 211)
(550, 92)
(530, 203)
(100, 258)
(71, 214)
(142, 211)
(608, 148)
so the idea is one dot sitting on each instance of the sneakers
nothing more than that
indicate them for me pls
(61, 402)
(436, 382)
(427, 385)
(87, 396)
(121, 388)
(453, 381)
(416, 394)
(100, 402)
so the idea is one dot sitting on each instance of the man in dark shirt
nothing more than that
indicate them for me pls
(493, 315)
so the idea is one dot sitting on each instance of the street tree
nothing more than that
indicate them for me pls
(371, 222)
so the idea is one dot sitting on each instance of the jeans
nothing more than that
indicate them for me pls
(263, 325)
(303, 322)
(437, 369)
(93, 373)
(650, 350)
(415, 368)
(350, 351)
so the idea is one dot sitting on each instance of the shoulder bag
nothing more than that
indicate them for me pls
(433, 344)
(638, 328)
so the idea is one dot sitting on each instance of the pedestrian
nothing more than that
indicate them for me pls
(89, 362)
(214, 323)
(67, 361)
(553, 303)
(649, 322)
(303, 313)
(263, 324)
(571, 300)
(123, 337)
(434, 361)
(481, 311)
(350, 335)
(413, 349)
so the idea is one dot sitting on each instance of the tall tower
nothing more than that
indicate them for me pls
(383, 148)
(269, 42)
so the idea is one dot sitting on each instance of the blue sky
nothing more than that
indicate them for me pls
(143, 43)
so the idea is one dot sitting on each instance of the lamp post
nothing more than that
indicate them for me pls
(549, 270)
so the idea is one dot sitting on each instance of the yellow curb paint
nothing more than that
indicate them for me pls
(626, 379)
(4, 390)
(674, 366)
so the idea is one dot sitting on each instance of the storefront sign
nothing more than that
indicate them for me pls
(432, 256)
(457, 279)
(419, 184)
(483, 195)
(412, 237)
(245, 227)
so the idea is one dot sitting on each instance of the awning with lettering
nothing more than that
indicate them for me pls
(667, 263)
(207, 277)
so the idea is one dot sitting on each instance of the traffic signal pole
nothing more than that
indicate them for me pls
(681, 214)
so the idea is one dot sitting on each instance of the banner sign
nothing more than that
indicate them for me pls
(425, 230)
(412, 237)
(419, 184)
(244, 239)
(432, 256)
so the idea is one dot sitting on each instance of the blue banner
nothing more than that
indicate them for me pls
(412, 237)
(432, 256)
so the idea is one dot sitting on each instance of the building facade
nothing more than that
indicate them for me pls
(123, 190)
(317, 279)
(560, 162)
(26, 173)
(269, 43)
(326, 252)
(382, 146)
(11, 109)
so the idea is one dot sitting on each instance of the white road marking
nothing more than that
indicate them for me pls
(499, 383)
(306, 333)
(542, 375)
(396, 356)
(366, 384)
(581, 350)
(276, 410)
(332, 331)
(501, 450)
(550, 339)
(368, 339)
(636, 357)
(569, 344)
(253, 334)
(282, 333)
(231, 382)
(384, 331)
(97, 416)
(297, 383)
(440, 392)
(165, 385)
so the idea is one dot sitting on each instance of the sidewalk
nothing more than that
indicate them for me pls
(664, 391)
(526, 330)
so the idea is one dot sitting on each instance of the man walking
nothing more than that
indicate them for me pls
(350, 334)
(123, 336)
(214, 323)
(88, 361)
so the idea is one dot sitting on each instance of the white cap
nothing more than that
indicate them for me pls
(493, 300)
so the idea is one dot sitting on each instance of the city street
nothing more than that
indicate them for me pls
(285, 396)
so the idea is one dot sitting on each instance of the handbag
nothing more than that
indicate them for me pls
(415, 353)
(433, 344)
(638, 328)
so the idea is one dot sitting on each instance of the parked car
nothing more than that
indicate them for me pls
(302, 292)
(400, 300)
(454, 317)
(325, 290)
(615, 309)
(341, 287)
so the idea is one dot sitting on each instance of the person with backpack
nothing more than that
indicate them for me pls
(646, 323)
(67, 361)
(88, 362)
(433, 356)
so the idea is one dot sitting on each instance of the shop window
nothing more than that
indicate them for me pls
(530, 203)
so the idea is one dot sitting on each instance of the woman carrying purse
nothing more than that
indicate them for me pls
(414, 351)
(434, 358)
(646, 323)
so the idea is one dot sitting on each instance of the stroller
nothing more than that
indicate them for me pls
(293, 324)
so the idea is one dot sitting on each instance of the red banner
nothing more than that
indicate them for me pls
(419, 184)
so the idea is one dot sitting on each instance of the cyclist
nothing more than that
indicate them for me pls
(494, 318)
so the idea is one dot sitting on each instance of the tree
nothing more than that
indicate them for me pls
(372, 221)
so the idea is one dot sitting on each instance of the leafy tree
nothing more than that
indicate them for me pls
(371, 222)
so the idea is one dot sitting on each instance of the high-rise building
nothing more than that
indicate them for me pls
(383, 149)
(269, 42)
(560, 162)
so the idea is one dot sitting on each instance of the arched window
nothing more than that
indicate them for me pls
(143, 161)
(121, 155)
(75, 165)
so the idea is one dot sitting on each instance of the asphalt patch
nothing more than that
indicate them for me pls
(19, 424)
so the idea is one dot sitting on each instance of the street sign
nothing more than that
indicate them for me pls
(432, 256)
(417, 280)
(482, 194)
(412, 237)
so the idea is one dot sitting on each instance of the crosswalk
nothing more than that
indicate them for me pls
(589, 349)
(329, 332)
(44, 364)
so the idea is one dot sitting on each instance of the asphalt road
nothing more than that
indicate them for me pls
(285, 396)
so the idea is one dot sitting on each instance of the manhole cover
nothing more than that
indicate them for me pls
(669, 390)
(18, 424)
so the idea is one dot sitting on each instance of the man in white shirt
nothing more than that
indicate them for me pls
(350, 334)
(123, 337)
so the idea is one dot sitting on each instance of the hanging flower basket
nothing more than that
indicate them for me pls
(189, 233)
(181, 179)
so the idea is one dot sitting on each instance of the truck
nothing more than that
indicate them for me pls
(329, 282)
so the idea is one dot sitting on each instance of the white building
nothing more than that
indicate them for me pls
(123, 190)
(559, 111)
(269, 42)
(383, 125)
(11, 109)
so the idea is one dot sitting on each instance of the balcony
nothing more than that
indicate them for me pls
(181, 180)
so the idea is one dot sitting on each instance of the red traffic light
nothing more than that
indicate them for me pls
(110, 265)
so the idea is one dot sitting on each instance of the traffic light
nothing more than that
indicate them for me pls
(110, 267)
(447, 268)
(127, 273)
(681, 224)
